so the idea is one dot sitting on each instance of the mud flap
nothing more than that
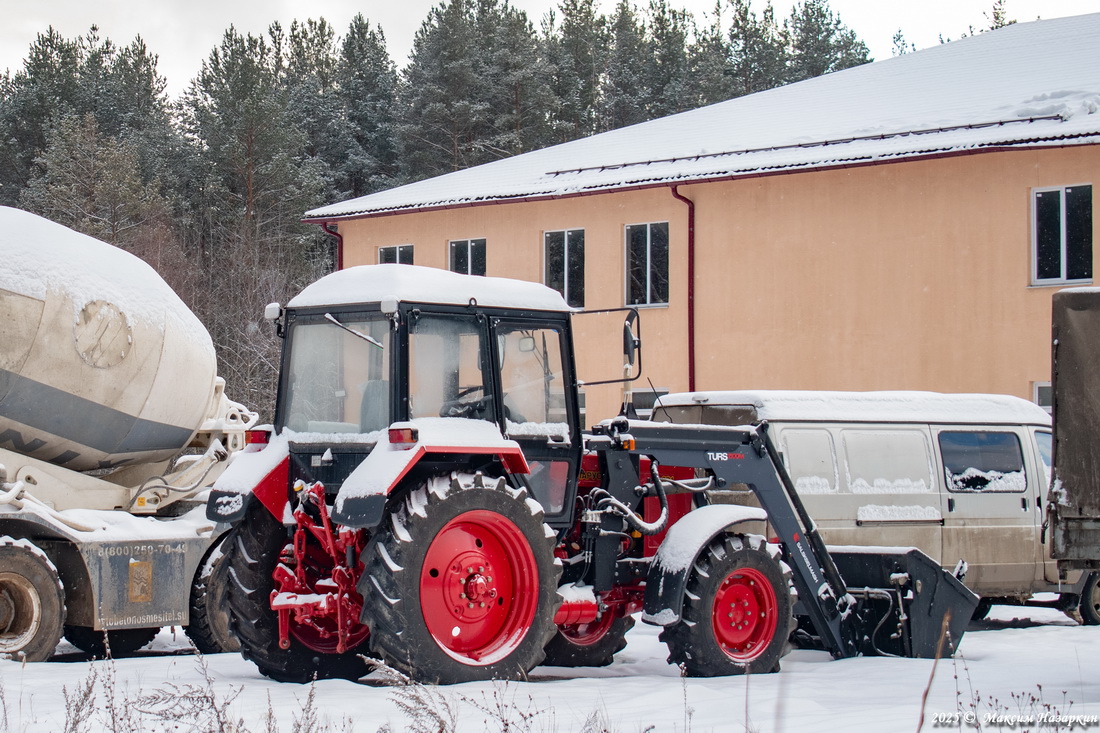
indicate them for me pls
(905, 602)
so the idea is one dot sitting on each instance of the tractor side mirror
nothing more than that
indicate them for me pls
(631, 343)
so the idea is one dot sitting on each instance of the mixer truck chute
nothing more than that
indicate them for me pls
(105, 378)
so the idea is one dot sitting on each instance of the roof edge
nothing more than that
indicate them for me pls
(667, 183)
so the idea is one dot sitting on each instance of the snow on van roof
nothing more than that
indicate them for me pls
(416, 284)
(889, 406)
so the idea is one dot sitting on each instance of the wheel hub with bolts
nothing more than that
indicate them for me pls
(745, 616)
(477, 585)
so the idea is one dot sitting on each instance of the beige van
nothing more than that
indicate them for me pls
(962, 477)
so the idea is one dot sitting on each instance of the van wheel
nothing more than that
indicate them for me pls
(1090, 601)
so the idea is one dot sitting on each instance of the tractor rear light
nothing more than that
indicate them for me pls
(257, 437)
(404, 435)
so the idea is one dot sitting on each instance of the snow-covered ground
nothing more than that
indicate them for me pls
(1020, 662)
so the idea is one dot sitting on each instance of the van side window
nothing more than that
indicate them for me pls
(982, 460)
(809, 458)
(888, 462)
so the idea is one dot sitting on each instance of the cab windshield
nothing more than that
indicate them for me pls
(338, 375)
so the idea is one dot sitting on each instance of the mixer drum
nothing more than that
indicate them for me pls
(101, 363)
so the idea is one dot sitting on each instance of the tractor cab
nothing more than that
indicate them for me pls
(372, 346)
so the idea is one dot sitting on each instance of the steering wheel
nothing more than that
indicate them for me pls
(461, 406)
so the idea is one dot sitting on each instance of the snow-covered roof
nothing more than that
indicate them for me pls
(892, 406)
(416, 284)
(1026, 84)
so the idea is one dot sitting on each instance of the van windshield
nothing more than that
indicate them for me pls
(706, 414)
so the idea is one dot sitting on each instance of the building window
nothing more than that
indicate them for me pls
(1042, 394)
(564, 252)
(468, 256)
(1061, 235)
(647, 264)
(398, 254)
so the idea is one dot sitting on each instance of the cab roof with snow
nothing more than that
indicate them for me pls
(884, 406)
(416, 284)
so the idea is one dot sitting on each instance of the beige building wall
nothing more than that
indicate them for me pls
(908, 275)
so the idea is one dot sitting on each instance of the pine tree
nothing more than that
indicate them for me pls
(577, 55)
(514, 81)
(710, 77)
(442, 117)
(758, 50)
(623, 91)
(314, 108)
(92, 183)
(255, 180)
(998, 18)
(367, 85)
(64, 78)
(667, 73)
(475, 89)
(820, 43)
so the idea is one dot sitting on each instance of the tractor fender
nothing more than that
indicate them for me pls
(254, 474)
(685, 541)
(362, 497)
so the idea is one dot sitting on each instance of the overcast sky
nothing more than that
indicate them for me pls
(183, 32)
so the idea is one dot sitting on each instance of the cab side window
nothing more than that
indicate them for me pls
(982, 460)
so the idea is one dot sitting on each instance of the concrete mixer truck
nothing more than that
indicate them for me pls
(113, 423)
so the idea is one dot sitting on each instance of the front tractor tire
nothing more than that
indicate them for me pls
(460, 582)
(737, 612)
(251, 554)
(32, 602)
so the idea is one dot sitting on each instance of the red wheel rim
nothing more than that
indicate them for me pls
(479, 587)
(590, 633)
(745, 614)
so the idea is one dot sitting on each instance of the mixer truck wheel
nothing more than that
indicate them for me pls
(209, 626)
(32, 602)
(589, 645)
(114, 643)
(251, 554)
(737, 613)
(1090, 601)
(460, 583)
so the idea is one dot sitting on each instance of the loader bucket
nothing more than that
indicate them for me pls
(905, 602)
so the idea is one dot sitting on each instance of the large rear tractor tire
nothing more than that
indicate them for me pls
(737, 612)
(113, 643)
(209, 614)
(1090, 601)
(589, 645)
(32, 602)
(460, 582)
(251, 554)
